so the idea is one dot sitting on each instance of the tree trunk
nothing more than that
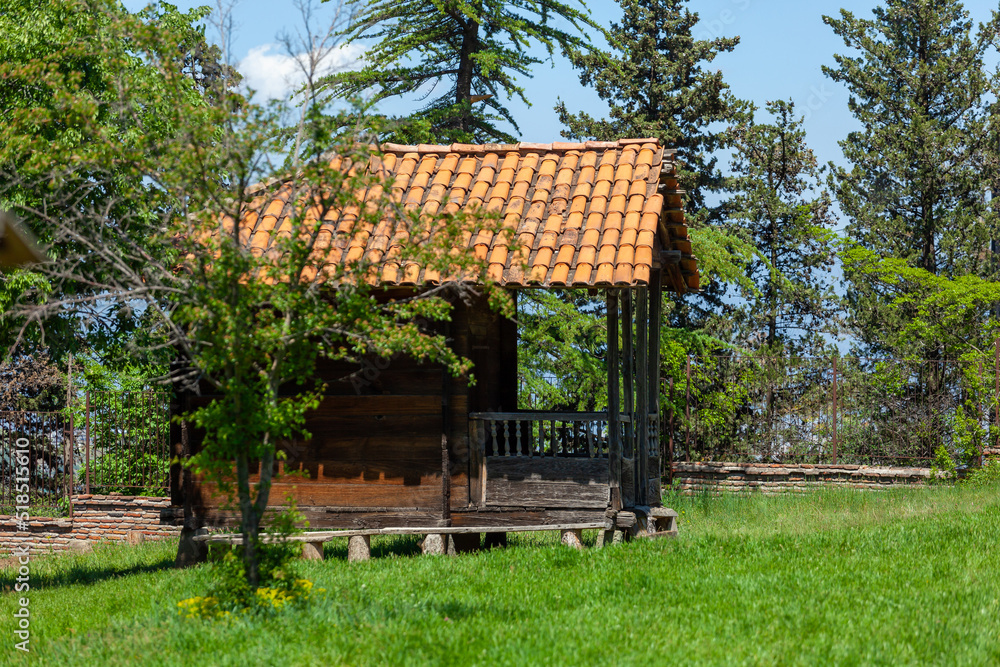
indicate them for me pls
(249, 521)
(463, 86)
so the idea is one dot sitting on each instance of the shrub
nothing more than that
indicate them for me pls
(988, 473)
(279, 586)
(128, 472)
(943, 466)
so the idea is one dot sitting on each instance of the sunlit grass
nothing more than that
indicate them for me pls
(836, 577)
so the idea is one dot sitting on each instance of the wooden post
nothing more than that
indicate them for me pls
(996, 394)
(445, 455)
(835, 411)
(86, 452)
(979, 415)
(68, 444)
(687, 408)
(476, 463)
(614, 427)
(655, 315)
(642, 398)
(628, 471)
(445, 482)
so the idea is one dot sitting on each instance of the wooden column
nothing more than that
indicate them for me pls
(655, 315)
(445, 449)
(614, 427)
(628, 471)
(641, 411)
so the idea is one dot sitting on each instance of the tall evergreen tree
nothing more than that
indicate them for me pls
(474, 49)
(781, 208)
(915, 187)
(656, 85)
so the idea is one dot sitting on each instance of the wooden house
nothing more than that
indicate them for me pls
(403, 444)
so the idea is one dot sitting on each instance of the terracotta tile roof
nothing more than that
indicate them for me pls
(582, 214)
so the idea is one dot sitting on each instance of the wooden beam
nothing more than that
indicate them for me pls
(538, 415)
(327, 535)
(670, 256)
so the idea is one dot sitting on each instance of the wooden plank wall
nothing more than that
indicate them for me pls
(375, 456)
(571, 483)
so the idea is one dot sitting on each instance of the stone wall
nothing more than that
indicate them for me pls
(693, 478)
(117, 518)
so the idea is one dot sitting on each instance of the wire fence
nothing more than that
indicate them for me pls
(35, 461)
(844, 410)
(113, 442)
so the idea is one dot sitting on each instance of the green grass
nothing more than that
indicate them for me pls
(837, 577)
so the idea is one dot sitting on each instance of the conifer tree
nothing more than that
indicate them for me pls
(915, 186)
(780, 207)
(464, 52)
(656, 85)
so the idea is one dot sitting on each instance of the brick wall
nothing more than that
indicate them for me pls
(692, 478)
(118, 518)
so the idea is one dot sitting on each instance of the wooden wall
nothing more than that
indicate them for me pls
(375, 456)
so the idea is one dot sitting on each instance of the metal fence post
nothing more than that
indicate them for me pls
(72, 468)
(980, 413)
(996, 394)
(835, 411)
(86, 444)
(687, 409)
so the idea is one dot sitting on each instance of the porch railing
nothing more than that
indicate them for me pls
(554, 434)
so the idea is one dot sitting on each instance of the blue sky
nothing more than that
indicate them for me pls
(784, 44)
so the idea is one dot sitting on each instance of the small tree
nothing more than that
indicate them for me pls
(251, 307)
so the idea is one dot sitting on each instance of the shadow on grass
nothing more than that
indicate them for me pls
(106, 561)
(382, 546)
(81, 572)
(402, 546)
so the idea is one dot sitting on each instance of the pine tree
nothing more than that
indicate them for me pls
(914, 190)
(656, 85)
(474, 49)
(780, 207)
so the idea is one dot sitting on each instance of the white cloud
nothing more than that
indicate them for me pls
(273, 73)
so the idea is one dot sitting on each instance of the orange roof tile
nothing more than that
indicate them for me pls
(582, 214)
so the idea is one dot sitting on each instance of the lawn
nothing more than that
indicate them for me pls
(834, 577)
